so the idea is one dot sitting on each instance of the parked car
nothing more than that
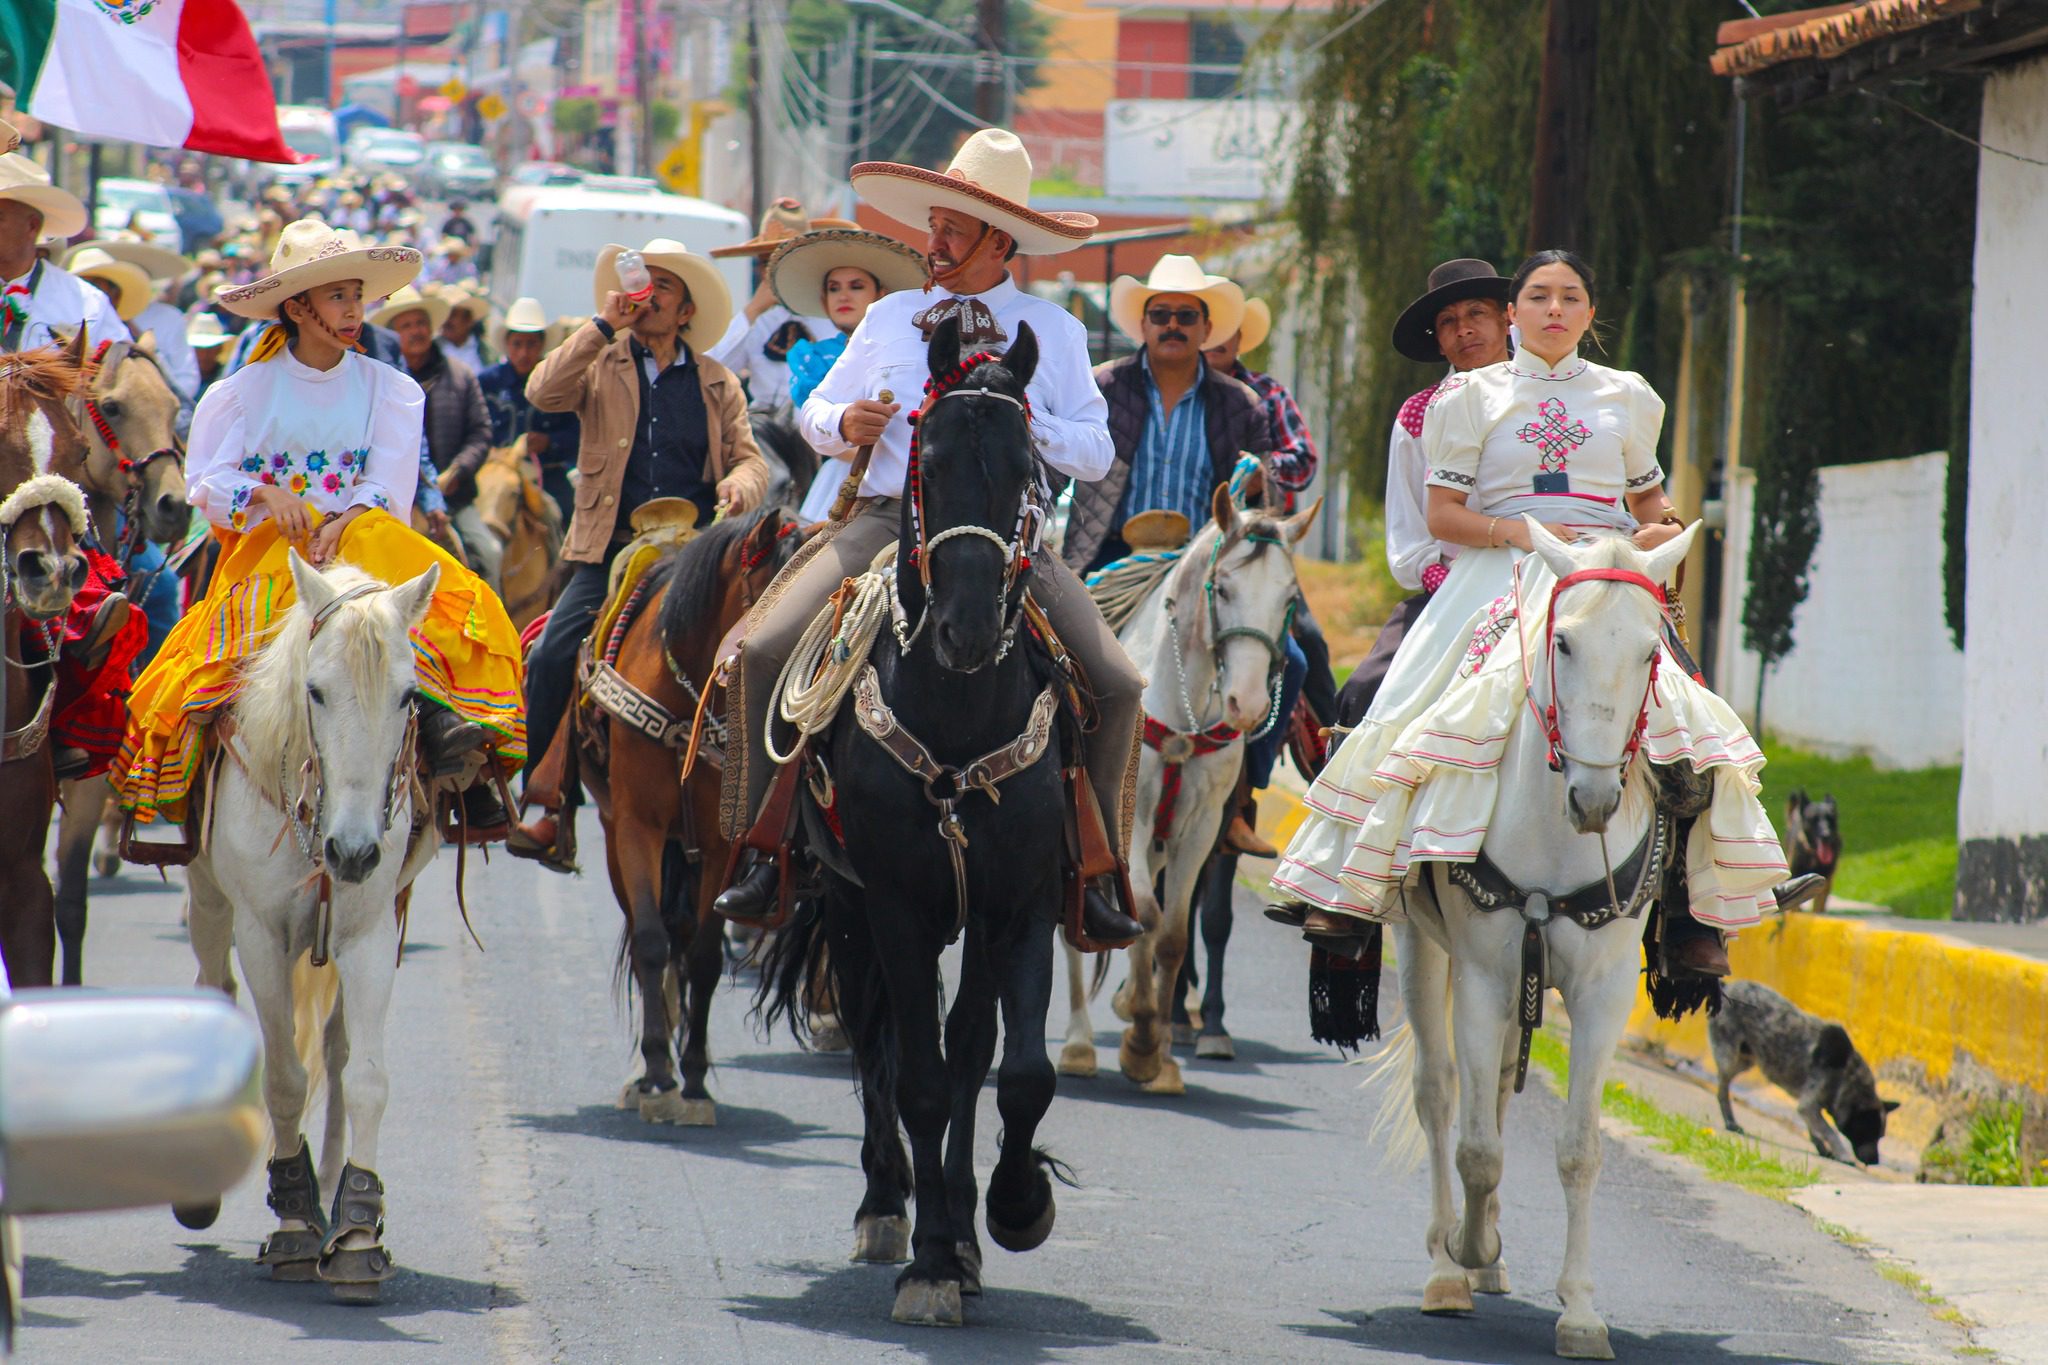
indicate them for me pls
(199, 221)
(140, 204)
(547, 173)
(375, 151)
(457, 170)
(312, 133)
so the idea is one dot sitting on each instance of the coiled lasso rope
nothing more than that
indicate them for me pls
(829, 656)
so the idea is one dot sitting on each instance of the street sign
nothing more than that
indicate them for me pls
(679, 169)
(491, 107)
(454, 90)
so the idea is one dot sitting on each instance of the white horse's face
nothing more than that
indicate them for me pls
(1602, 644)
(359, 697)
(1254, 586)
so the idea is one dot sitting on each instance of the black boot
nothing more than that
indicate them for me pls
(447, 739)
(1104, 923)
(754, 897)
(1794, 893)
(482, 811)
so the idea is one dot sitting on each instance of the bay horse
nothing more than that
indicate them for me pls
(1210, 637)
(314, 824)
(133, 476)
(42, 523)
(660, 808)
(924, 859)
(1463, 962)
(519, 513)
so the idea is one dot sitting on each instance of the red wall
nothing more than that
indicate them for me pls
(1151, 40)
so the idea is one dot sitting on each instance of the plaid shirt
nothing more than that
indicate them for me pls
(1294, 450)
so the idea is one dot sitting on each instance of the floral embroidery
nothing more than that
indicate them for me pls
(348, 459)
(316, 462)
(252, 463)
(331, 482)
(380, 502)
(1451, 384)
(1557, 434)
(280, 462)
(1500, 615)
(1452, 476)
(1645, 480)
(313, 470)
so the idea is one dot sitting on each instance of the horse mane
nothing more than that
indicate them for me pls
(777, 435)
(1604, 551)
(44, 373)
(271, 719)
(690, 574)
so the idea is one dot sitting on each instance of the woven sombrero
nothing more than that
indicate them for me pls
(783, 221)
(797, 270)
(410, 300)
(1157, 529)
(707, 287)
(989, 179)
(309, 254)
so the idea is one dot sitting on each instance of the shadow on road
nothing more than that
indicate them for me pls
(747, 1135)
(1003, 1325)
(217, 1277)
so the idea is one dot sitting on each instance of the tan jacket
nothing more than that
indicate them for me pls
(594, 379)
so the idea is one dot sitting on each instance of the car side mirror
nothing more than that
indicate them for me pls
(116, 1100)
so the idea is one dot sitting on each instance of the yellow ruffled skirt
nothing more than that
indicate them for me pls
(465, 654)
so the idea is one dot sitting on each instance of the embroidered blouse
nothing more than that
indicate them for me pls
(810, 362)
(340, 438)
(1566, 443)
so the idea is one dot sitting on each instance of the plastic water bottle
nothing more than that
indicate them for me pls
(634, 281)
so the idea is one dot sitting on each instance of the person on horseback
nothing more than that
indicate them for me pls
(314, 447)
(757, 343)
(978, 216)
(659, 419)
(1546, 435)
(845, 271)
(37, 297)
(552, 438)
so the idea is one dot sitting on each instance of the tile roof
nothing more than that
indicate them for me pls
(1750, 46)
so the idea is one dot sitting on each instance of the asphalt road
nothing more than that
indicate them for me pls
(533, 1221)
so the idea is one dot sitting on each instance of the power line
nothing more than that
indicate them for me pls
(1955, 133)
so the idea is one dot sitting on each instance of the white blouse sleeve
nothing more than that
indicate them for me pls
(1645, 426)
(1410, 546)
(1450, 436)
(391, 469)
(215, 480)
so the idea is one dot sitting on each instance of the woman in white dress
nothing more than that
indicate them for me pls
(1546, 434)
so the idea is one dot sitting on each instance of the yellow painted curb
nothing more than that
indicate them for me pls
(1956, 1013)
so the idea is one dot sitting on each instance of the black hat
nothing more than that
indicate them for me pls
(1451, 282)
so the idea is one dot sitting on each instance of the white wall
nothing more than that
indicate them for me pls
(1872, 668)
(2005, 682)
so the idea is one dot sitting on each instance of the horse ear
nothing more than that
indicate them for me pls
(1224, 512)
(1296, 526)
(146, 343)
(943, 355)
(1021, 360)
(74, 349)
(415, 596)
(313, 590)
(1552, 550)
(1664, 560)
(763, 534)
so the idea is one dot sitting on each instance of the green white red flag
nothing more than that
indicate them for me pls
(170, 73)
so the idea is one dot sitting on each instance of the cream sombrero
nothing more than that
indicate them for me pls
(161, 264)
(783, 220)
(797, 270)
(309, 254)
(410, 300)
(132, 289)
(1175, 275)
(989, 179)
(204, 332)
(1253, 331)
(25, 182)
(527, 315)
(470, 298)
(706, 285)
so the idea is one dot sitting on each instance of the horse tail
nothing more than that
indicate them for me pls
(315, 990)
(1396, 1129)
(1101, 975)
(791, 958)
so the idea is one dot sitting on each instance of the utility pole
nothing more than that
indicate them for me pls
(756, 124)
(1564, 125)
(988, 71)
(643, 89)
(329, 100)
(867, 90)
(398, 69)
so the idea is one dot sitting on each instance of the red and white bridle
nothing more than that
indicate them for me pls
(1555, 753)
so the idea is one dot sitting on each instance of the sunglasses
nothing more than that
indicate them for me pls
(1186, 317)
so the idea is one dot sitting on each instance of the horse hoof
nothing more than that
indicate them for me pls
(1121, 1002)
(921, 1303)
(879, 1240)
(1583, 1340)
(829, 1035)
(1217, 1047)
(629, 1095)
(699, 1114)
(106, 865)
(1184, 1035)
(196, 1216)
(1077, 1059)
(292, 1255)
(1492, 1279)
(1447, 1294)
(1030, 1237)
(661, 1106)
(1168, 1081)
(970, 1268)
(1138, 1066)
(356, 1274)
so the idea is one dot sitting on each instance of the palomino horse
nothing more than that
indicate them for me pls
(133, 473)
(309, 837)
(526, 520)
(1211, 638)
(660, 835)
(42, 519)
(1558, 829)
(934, 855)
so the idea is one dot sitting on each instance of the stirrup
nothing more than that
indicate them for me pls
(769, 837)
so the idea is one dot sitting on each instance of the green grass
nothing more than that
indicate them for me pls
(1898, 827)
(1734, 1160)
(1992, 1150)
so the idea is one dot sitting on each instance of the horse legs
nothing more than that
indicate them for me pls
(703, 957)
(76, 830)
(1020, 1204)
(1147, 1053)
(210, 922)
(881, 1226)
(1077, 1055)
(637, 848)
(1219, 876)
(1425, 970)
(970, 1047)
(1598, 1003)
(293, 1251)
(1480, 1010)
(354, 1263)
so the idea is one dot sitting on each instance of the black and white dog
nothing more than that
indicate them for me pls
(1809, 1056)
(1813, 840)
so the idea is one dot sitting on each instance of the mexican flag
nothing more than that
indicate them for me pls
(170, 73)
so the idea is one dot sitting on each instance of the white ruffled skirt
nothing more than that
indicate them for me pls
(1418, 780)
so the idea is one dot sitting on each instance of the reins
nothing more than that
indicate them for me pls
(133, 470)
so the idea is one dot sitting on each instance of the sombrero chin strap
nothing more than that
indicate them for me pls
(935, 280)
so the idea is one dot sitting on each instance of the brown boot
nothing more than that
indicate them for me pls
(1242, 838)
(1699, 955)
(536, 839)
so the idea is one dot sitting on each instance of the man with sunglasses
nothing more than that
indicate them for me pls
(1177, 426)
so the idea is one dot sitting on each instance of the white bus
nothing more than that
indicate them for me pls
(548, 238)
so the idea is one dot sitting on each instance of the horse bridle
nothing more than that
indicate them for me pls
(1220, 635)
(135, 471)
(1555, 753)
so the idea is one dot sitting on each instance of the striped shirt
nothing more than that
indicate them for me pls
(1171, 468)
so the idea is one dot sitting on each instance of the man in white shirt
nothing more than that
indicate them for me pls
(1461, 319)
(757, 342)
(164, 268)
(37, 297)
(977, 217)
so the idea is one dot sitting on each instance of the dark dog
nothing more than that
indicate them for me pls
(1813, 840)
(1806, 1055)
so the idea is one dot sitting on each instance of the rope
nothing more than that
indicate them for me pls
(1121, 587)
(828, 658)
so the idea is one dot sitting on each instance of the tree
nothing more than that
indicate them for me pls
(1784, 526)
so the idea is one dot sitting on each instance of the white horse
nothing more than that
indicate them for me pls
(1210, 637)
(317, 789)
(1605, 634)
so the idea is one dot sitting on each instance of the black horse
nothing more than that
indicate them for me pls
(961, 690)
(792, 464)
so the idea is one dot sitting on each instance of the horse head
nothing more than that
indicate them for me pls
(130, 414)
(1248, 591)
(1595, 675)
(751, 564)
(964, 554)
(42, 517)
(331, 696)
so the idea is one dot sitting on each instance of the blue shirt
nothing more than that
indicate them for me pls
(810, 362)
(1170, 469)
(512, 417)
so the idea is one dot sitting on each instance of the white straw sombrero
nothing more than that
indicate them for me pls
(309, 254)
(989, 179)
(797, 271)
(26, 182)
(1175, 275)
(132, 287)
(706, 285)
(1253, 331)
(410, 300)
